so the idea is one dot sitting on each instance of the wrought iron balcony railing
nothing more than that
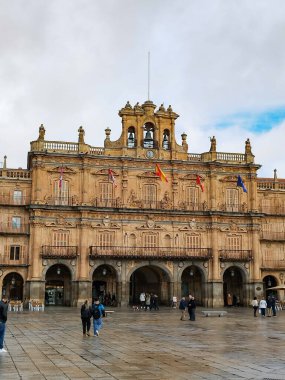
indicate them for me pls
(56, 251)
(7, 199)
(150, 252)
(235, 255)
(14, 229)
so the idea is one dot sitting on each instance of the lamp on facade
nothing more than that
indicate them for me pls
(232, 273)
(191, 272)
(13, 281)
(58, 271)
(269, 282)
(104, 271)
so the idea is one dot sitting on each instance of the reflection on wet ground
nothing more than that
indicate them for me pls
(144, 345)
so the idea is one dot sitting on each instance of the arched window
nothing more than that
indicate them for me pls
(148, 141)
(131, 142)
(165, 140)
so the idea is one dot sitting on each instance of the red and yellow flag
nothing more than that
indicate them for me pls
(160, 173)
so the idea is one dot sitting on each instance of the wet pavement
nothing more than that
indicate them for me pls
(144, 345)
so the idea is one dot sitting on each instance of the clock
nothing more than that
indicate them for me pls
(149, 154)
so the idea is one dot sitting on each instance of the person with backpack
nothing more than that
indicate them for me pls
(98, 311)
(86, 313)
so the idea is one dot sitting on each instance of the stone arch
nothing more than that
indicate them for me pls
(235, 292)
(13, 285)
(193, 279)
(59, 289)
(105, 279)
(150, 278)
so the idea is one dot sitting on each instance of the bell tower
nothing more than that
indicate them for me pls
(147, 133)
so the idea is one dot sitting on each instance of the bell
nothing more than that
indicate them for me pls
(148, 136)
(131, 137)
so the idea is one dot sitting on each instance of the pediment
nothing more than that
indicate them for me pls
(63, 169)
(229, 178)
(104, 172)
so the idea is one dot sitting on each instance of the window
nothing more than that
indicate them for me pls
(149, 194)
(61, 192)
(106, 193)
(61, 238)
(191, 197)
(150, 241)
(14, 252)
(106, 239)
(232, 201)
(16, 222)
(193, 241)
(17, 197)
(234, 243)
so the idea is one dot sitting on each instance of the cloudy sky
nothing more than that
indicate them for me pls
(219, 63)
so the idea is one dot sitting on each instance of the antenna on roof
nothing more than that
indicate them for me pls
(148, 76)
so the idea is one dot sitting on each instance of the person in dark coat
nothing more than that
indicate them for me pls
(192, 309)
(3, 320)
(86, 313)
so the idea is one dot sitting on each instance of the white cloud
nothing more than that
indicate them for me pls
(68, 63)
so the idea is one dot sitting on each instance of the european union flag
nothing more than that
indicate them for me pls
(241, 184)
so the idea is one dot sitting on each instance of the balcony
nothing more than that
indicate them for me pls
(232, 207)
(14, 229)
(235, 255)
(273, 210)
(59, 252)
(10, 200)
(273, 264)
(175, 253)
(276, 236)
(6, 261)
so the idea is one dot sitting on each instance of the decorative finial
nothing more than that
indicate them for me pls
(275, 173)
(169, 109)
(5, 162)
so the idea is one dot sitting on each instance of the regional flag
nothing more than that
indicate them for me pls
(199, 183)
(160, 173)
(241, 184)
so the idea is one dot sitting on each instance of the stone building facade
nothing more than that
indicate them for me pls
(83, 221)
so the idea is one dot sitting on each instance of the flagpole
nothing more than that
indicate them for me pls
(148, 76)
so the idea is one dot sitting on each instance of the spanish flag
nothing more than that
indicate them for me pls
(160, 173)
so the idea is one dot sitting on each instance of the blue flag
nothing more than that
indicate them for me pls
(241, 184)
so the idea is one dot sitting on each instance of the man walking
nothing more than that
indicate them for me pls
(98, 311)
(3, 319)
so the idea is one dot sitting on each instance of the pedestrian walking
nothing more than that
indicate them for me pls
(182, 307)
(262, 306)
(273, 303)
(269, 306)
(3, 320)
(147, 301)
(254, 304)
(229, 300)
(86, 313)
(98, 311)
(192, 309)
(174, 302)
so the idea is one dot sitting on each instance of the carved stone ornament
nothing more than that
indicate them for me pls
(64, 169)
(106, 221)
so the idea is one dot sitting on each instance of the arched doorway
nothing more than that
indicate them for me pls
(233, 287)
(269, 282)
(13, 286)
(192, 283)
(58, 286)
(104, 285)
(149, 279)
